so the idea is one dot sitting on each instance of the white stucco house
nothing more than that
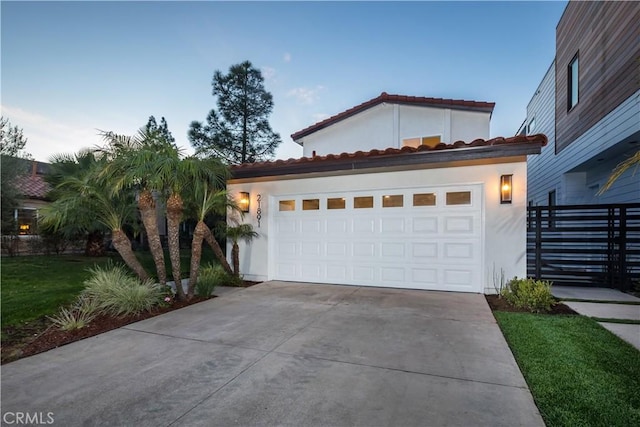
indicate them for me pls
(388, 194)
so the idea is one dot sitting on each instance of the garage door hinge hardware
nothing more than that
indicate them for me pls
(259, 211)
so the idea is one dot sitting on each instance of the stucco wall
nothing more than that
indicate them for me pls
(504, 225)
(386, 125)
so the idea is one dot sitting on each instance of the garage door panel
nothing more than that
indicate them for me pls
(392, 249)
(336, 249)
(335, 225)
(363, 274)
(460, 224)
(286, 270)
(393, 274)
(364, 225)
(459, 250)
(393, 225)
(286, 226)
(285, 249)
(425, 275)
(311, 226)
(311, 272)
(336, 273)
(435, 246)
(457, 277)
(311, 248)
(425, 250)
(425, 225)
(364, 249)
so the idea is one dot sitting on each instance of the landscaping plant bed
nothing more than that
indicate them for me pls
(40, 335)
(500, 304)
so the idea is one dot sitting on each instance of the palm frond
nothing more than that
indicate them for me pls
(620, 169)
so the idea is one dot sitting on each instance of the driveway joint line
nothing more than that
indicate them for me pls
(210, 395)
(307, 356)
(196, 340)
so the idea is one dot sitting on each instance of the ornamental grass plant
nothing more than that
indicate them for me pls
(118, 293)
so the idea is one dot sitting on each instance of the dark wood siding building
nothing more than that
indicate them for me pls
(601, 40)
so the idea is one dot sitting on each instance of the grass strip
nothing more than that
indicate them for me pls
(579, 373)
(36, 286)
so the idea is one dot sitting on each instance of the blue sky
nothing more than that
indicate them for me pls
(70, 68)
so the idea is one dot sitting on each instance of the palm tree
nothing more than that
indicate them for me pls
(64, 166)
(621, 169)
(134, 165)
(83, 199)
(177, 175)
(208, 201)
(235, 233)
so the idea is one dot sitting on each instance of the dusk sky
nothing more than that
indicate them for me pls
(71, 68)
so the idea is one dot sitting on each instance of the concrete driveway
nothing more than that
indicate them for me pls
(286, 354)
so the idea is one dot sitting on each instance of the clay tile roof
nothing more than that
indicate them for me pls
(502, 147)
(32, 186)
(397, 99)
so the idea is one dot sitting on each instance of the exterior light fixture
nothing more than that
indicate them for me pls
(244, 201)
(506, 188)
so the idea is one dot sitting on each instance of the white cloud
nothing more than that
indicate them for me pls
(47, 136)
(268, 73)
(305, 95)
(287, 57)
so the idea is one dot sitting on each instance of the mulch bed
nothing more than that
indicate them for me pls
(40, 335)
(500, 304)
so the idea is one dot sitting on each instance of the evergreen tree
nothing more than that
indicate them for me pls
(162, 130)
(12, 142)
(239, 131)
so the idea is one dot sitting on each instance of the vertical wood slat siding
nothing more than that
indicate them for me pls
(607, 37)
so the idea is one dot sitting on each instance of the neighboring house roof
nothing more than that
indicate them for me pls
(384, 97)
(518, 145)
(32, 186)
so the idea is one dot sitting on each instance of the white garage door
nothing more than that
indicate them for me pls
(426, 238)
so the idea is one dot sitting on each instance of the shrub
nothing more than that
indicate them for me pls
(212, 276)
(530, 294)
(116, 292)
(76, 317)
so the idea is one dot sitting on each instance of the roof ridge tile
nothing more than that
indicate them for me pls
(385, 97)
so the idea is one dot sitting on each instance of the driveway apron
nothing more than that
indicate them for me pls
(283, 353)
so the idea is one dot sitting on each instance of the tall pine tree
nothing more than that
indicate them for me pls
(163, 129)
(238, 131)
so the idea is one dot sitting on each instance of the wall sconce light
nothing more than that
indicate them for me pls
(244, 201)
(506, 189)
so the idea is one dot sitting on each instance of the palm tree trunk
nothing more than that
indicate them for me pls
(174, 215)
(217, 250)
(123, 245)
(235, 254)
(149, 217)
(95, 244)
(196, 255)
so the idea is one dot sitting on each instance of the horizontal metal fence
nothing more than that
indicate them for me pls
(585, 245)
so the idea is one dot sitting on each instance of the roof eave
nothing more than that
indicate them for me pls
(401, 159)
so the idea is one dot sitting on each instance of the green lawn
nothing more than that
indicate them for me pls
(579, 373)
(33, 286)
